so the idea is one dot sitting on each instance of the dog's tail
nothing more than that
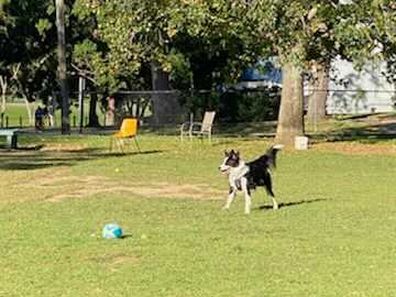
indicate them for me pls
(271, 155)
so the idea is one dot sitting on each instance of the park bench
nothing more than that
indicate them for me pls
(11, 136)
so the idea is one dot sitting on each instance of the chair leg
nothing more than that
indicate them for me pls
(119, 144)
(111, 144)
(137, 144)
(190, 134)
(181, 134)
(122, 146)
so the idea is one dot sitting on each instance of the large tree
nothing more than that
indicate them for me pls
(26, 47)
(319, 78)
(125, 34)
(198, 44)
(301, 34)
(62, 68)
(28, 42)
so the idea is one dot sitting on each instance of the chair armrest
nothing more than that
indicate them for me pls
(193, 124)
(190, 125)
(184, 126)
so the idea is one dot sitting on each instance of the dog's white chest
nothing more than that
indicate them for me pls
(236, 174)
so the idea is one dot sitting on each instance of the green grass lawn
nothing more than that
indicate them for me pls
(334, 234)
(17, 114)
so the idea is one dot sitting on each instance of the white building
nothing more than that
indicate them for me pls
(349, 91)
(353, 92)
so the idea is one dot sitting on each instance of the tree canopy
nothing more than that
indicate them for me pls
(196, 43)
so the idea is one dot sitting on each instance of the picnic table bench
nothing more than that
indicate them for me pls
(11, 136)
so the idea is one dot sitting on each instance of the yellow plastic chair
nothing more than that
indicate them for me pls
(127, 132)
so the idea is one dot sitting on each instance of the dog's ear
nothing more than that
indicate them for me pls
(227, 154)
(234, 155)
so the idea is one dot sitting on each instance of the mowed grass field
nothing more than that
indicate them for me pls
(17, 114)
(334, 234)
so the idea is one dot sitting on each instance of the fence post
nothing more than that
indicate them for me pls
(6, 121)
(20, 121)
(74, 122)
(2, 121)
(104, 119)
(81, 88)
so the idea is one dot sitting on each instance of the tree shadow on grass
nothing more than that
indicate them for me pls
(35, 159)
(375, 130)
(369, 134)
(290, 204)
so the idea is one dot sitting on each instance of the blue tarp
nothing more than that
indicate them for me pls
(264, 71)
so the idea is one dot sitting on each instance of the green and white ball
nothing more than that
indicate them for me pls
(111, 231)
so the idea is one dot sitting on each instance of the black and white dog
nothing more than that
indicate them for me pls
(247, 176)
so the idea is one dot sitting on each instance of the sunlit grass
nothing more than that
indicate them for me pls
(333, 235)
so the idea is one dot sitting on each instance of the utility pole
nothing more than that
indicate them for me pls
(62, 76)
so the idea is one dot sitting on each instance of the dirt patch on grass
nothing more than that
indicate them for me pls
(58, 183)
(195, 191)
(115, 260)
(356, 148)
(61, 184)
(63, 147)
(156, 190)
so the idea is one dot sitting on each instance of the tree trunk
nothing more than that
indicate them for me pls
(62, 76)
(28, 110)
(93, 120)
(159, 82)
(159, 78)
(25, 96)
(3, 85)
(291, 112)
(317, 100)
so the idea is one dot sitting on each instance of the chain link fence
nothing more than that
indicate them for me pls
(236, 109)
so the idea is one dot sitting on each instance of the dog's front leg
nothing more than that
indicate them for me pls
(248, 198)
(274, 203)
(230, 197)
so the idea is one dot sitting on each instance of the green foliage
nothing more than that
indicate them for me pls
(296, 31)
(134, 32)
(366, 31)
(191, 40)
(89, 60)
(29, 46)
(43, 25)
(250, 106)
(201, 44)
(3, 14)
(235, 106)
(181, 75)
(27, 49)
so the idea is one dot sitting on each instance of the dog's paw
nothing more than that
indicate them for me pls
(225, 208)
(275, 207)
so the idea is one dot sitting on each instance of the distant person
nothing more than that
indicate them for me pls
(51, 119)
(51, 111)
(110, 111)
(38, 118)
(45, 117)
